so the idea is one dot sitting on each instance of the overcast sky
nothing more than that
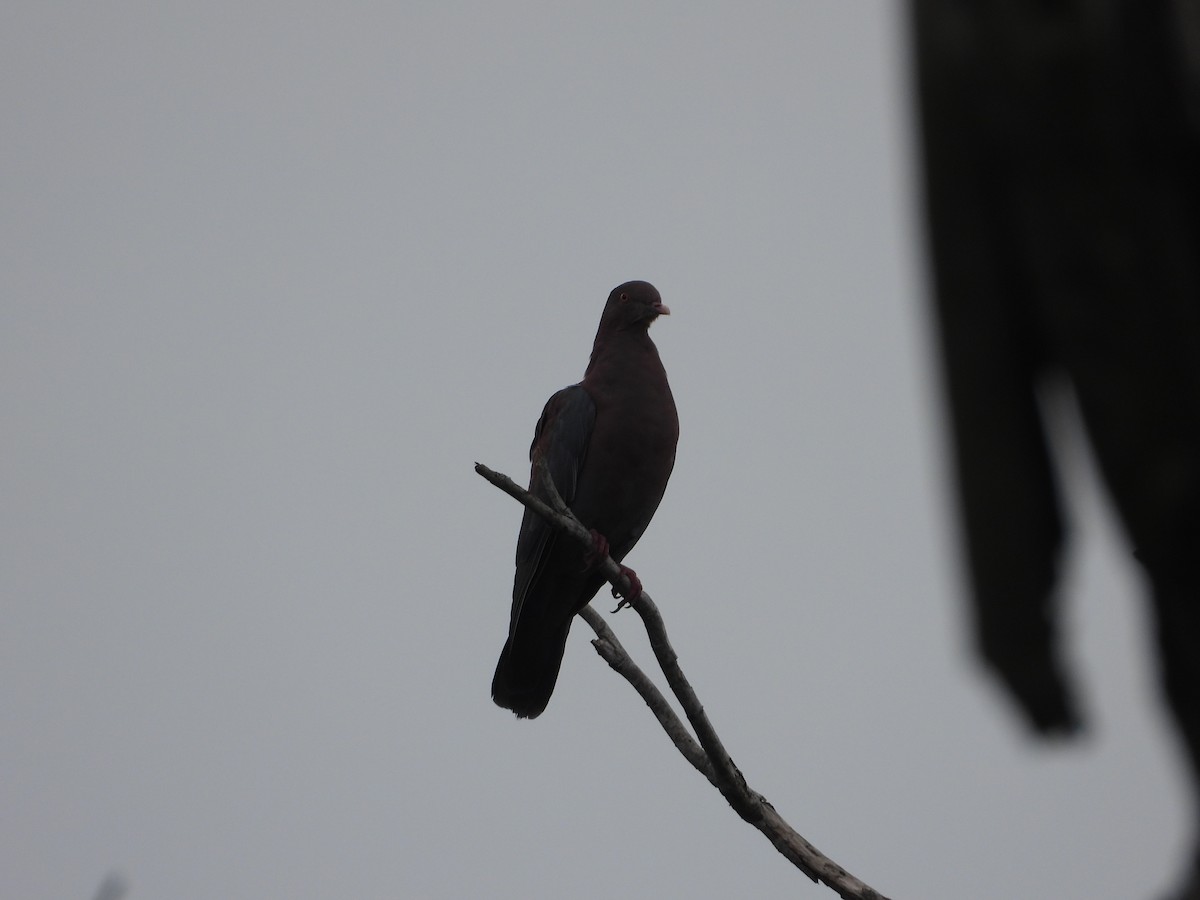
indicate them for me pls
(273, 276)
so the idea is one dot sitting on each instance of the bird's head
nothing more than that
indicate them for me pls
(634, 304)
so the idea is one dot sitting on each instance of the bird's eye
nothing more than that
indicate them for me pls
(624, 297)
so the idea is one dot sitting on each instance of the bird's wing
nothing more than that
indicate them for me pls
(561, 439)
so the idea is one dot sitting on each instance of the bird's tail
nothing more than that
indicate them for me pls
(527, 670)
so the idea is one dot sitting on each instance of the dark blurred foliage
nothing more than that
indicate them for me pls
(113, 887)
(1061, 146)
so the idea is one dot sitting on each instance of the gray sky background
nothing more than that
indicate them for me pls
(274, 275)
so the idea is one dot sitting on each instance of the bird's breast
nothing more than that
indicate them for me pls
(628, 465)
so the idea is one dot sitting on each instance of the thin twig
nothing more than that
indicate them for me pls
(613, 653)
(709, 755)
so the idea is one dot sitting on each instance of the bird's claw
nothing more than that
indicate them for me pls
(597, 554)
(634, 592)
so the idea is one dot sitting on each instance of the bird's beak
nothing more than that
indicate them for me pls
(661, 308)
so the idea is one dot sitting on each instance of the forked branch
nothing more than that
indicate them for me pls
(705, 750)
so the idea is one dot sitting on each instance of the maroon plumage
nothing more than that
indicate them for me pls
(609, 443)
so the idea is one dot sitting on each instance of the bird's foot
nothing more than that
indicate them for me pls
(598, 553)
(635, 589)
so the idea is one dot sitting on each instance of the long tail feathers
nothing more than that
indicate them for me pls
(527, 671)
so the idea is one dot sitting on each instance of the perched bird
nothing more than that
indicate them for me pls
(609, 445)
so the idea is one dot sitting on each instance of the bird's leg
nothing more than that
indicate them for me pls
(593, 558)
(597, 553)
(635, 588)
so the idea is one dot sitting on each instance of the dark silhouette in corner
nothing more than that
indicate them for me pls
(1061, 153)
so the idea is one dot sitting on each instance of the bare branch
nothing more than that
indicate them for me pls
(613, 653)
(708, 756)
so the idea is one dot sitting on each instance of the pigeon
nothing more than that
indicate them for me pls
(608, 443)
